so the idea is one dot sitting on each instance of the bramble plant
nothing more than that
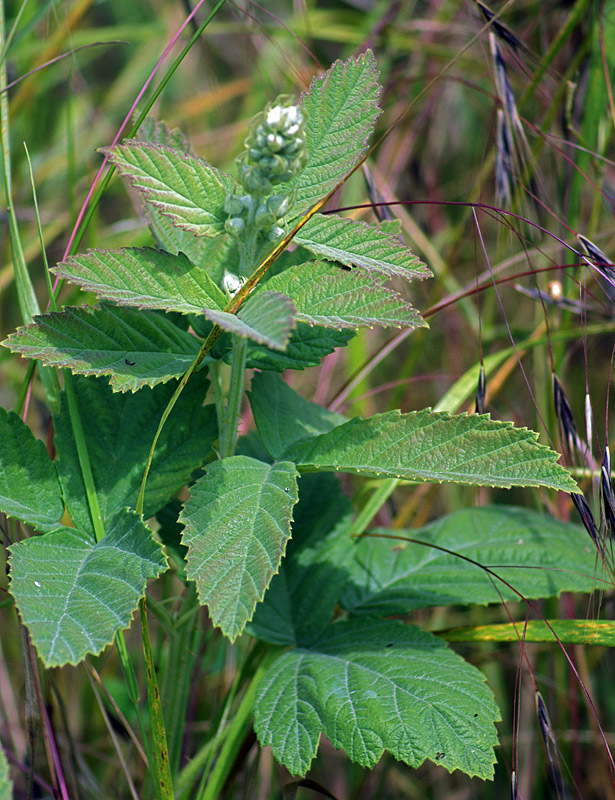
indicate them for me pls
(269, 543)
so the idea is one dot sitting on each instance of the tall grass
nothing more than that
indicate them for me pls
(500, 166)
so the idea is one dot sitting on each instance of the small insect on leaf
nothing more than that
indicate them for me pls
(130, 363)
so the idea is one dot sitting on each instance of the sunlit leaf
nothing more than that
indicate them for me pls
(266, 318)
(74, 594)
(359, 244)
(237, 523)
(136, 348)
(185, 188)
(435, 447)
(375, 685)
(145, 278)
(336, 298)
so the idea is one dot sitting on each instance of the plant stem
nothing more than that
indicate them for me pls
(228, 434)
(236, 732)
(163, 782)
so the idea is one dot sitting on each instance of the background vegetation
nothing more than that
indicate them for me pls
(517, 117)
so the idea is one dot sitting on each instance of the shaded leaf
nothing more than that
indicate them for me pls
(435, 447)
(342, 108)
(335, 298)
(237, 524)
(137, 348)
(24, 463)
(119, 444)
(74, 594)
(145, 278)
(307, 346)
(185, 188)
(283, 417)
(300, 600)
(266, 318)
(537, 555)
(359, 244)
(374, 685)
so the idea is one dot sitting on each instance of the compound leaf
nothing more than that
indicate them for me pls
(359, 244)
(336, 298)
(24, 464)
(537, 555)
(182, 186)
(373, 685)
(237, 523)
(342, 108)
(435, 447)
(74, 594)
(265, 318)
(145, 278)
(137, 348)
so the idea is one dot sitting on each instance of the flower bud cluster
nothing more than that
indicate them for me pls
(275, 153)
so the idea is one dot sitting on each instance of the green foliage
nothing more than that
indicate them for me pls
(267, 533)
(537, 555)
(238, 521)
(24, 463)
(371, 685)
(74, 594)
(6, 786)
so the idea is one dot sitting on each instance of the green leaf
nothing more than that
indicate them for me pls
(137, 348)
(182, 186)
(283, 417)
(300, 600)
(342, 108)
(74, 594)
(237, 526)
(435, 447)
(6, 784)
(119, 444)
(266, 318)
(24, 463)
(374, 685)
(326, 295)
(145, 278)
(564, 631)
(359, 244)
(308, 345)
(535, 554)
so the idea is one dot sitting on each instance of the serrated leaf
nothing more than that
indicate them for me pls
(24, 463)
(336, 298)
(6, 785)
(360, 244)
(307, 346)
(283, 417)
(145, 278)
(237, 525)
(119, 444)
(136, 348)
(266, 318)
(74, 594)
(342, 108)
(374, 685)
(185, 188)
(535, 554)
(435, 447)
(300, 600)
